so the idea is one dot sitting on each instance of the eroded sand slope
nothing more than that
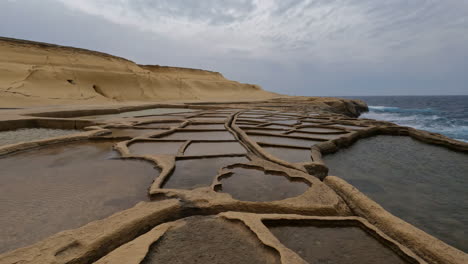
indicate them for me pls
(33, 73)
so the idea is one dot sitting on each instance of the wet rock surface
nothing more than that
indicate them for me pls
(56, 188)
(236, 163)
(155, 147)
(253, 184)
(128, 132)
(292, 155)
(193, 173)
(29, 134)
(410, 178)
(208, 240)
(337, 245)
(214, 148)
(146, 112)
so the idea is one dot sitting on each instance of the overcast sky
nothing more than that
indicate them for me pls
(297, 47)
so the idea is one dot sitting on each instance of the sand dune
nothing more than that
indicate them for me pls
(33, 73)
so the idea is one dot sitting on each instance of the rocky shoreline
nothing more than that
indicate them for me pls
(263, 130)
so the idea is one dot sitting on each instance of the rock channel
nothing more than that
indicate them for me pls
(231, 182)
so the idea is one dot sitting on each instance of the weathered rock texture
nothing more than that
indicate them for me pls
(37, 74)
(139, 233)
(33, 73)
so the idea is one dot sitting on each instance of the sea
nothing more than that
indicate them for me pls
(446, 115)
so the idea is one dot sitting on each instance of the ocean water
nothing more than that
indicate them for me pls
(446, 115)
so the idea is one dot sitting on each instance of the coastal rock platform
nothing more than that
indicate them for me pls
(218, 182)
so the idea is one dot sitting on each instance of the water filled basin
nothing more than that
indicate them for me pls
(346, 245)
(155, 148)
(420, 183)
(210, 240)
(199, 172)
(153, 111)
(29, 134)
(47, 190)
(205, 135)
(214, 148)
(284, 140)
(249, 184)
(292, 155)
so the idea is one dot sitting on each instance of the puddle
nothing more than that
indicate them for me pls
(205, 135)
(160, 124)
(291, 114)
(286, 122)
(319, 136)
(284, 140)
(292, 155)
(47, 190)
(210, 240)
(350, 127)
(423, 184)
(315, 121)
(259, 186)
(251, 121)
(284, 127)
(147, 112)
(320, 129)
(261, 130)
(206, 126)
(254, 116)
(194, 173)
(214, 148)
(29, 134)
(155, 148)
(219, 115)
(244, 125)
(167, 118)
(347, 245)
(129, 132)
(207, 120)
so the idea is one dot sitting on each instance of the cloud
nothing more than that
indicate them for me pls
(302, 47)
(329, 31)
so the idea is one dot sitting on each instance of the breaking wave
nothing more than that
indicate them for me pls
(425, 119)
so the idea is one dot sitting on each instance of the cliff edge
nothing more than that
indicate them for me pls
(35, 73)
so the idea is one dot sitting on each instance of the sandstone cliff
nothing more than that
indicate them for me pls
(33, 73)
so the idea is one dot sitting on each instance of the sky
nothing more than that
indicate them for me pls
(295, 47)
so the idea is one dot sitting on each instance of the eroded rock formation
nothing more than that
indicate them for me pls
(33, 73)
(240, 176)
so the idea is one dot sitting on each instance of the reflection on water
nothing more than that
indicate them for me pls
(60, 187)
(205, 135)
(423, 184)
(214, 148)
(258, 186)
(292, 155)
(199, 172)
(347, 245)
(30, 134)
(283, 140)
(153, 111)
(209, 240)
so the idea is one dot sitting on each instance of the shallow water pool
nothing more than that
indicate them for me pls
(153, 111)
(322, 244)
(423, 184)
(47, 190)
(30, 134)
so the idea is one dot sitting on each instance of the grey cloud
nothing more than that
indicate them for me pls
(211, 11)
(305, 47)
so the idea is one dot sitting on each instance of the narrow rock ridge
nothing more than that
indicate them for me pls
(181, 134)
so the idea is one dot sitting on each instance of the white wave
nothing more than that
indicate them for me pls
(380, 107)
(396, 117)
(432, 123)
